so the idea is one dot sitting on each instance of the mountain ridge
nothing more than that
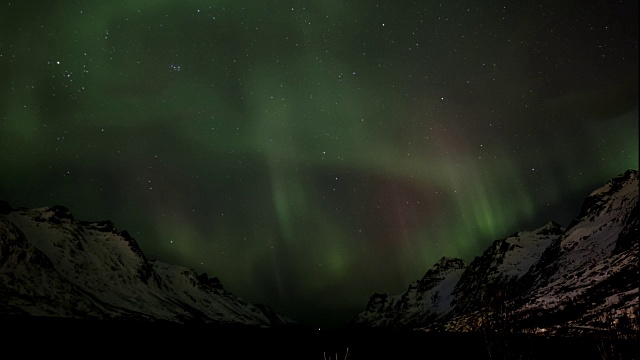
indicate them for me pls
(549, 280)
(54, 265)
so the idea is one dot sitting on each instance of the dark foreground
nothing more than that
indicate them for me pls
(90, 339)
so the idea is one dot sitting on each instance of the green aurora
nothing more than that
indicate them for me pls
(311, 153)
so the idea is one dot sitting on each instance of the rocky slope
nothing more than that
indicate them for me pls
(547, 280)
(426, 299)
(53, 265)
(589, 276)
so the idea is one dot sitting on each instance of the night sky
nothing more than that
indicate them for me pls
(312, 153)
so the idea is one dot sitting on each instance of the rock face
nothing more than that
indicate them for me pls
(589, 276)
(492, 277)
(547, 280)
(53, 265)
(426, 299)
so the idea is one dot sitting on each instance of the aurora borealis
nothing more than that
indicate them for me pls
(311, 153)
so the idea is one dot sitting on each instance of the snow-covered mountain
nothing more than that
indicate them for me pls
(589, 276)
(426, 299)
(550, 279)
(493, 276)
(53, 265)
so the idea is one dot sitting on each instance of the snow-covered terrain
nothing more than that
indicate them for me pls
(492, 276)
(550, 279)
(54, 265)
(592, 269)
(426, 299)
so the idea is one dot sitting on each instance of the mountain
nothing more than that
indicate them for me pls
(589, 276)
(552, 279)
(426, 299)
(52, 265)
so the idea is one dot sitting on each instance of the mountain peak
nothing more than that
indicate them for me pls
(608, 197)
(550, 228)
(449, 263)
(57, 266)
(553, 279)
(615, 184)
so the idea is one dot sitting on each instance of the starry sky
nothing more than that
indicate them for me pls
(312, 153)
